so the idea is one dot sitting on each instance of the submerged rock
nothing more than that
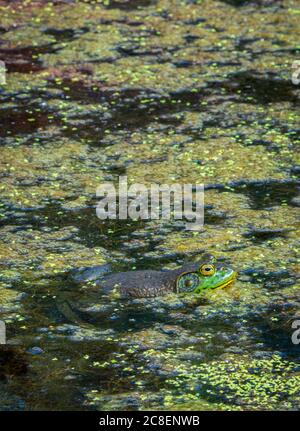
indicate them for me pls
(12, 362)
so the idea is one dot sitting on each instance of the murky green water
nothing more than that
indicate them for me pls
(176, 91)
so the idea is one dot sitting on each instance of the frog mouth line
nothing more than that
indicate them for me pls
(228, 282)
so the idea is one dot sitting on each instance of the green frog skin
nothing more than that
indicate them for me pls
(190, 278)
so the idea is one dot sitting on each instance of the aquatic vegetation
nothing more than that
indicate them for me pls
(268, 383)
(175, 91)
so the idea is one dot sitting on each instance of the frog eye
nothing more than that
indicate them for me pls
(187, 282)
(207, 269)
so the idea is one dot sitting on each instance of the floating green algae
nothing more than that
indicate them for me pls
(175, 91)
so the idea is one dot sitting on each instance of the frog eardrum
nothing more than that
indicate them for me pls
(208, 276)
(188, 282)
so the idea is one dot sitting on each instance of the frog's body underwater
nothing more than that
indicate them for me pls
(190, 278)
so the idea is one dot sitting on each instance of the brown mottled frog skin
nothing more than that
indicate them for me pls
(151, 283)
(144, 284)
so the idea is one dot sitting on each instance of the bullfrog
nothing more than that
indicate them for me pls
(190, 278)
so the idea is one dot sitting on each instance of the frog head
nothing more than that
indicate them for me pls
(210, 275)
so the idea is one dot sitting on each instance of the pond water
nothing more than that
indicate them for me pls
(173, 91)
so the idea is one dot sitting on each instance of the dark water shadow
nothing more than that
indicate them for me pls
(251, 87)
(130, 4)
(262, 3)
(263, 194)
(25, 120)
(25, 59)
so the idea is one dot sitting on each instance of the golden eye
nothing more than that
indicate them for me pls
(207, 269)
